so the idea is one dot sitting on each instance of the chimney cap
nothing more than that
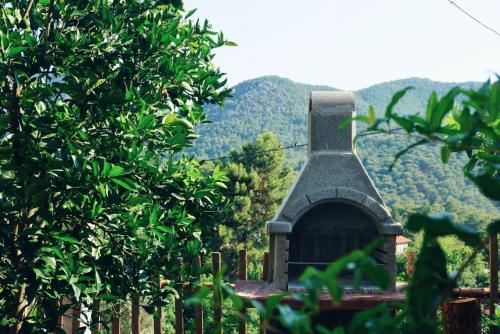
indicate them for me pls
(327, 111)
(331, 101)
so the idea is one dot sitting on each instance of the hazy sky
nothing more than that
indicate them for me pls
(352, 44)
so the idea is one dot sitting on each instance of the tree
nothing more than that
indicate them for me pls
(99, 98)
(258, 180)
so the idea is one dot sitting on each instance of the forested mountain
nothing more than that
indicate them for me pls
(280, 105)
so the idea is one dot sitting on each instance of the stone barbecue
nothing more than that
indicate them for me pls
(333, 207)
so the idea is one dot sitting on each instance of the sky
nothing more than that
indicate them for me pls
(353, 44)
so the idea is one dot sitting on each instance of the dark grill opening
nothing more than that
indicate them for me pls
(325, 233)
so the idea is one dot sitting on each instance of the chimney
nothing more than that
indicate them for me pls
(333, 207)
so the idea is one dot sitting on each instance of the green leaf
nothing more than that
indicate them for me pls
(395, 99)
(431, 105)
(190, 13)
(66, 238)
(445, 154)
(406, 150)
(41, 274)
(116, 171)
(14, 51)
(371, 115)
(187, 87)
(109, 297)
(122, 184)
(445, 105)
(440, 225)
(488, 184)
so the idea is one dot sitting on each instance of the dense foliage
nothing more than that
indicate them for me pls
(418, 182)
(98, 100)
(258, 179)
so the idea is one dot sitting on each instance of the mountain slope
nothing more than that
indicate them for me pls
(280, 105)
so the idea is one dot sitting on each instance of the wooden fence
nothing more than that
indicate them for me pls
(70, 322)
(466, 302)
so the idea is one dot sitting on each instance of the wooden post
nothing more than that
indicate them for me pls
(115, 319)
(135, 314)
(66, 320)
(242, 276)
(265, 278)
(411, 258)
(493, 278)
(157, 322)
(96, 321)
(179, 306)
(216, 269)
(75, 318)
(265, 267)
(462, 316)
(198, 309)
(242, 268)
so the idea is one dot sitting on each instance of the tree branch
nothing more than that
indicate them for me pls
(28, 9)
(49, 19)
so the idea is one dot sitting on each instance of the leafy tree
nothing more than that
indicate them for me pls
(258, 180)
(99, 98)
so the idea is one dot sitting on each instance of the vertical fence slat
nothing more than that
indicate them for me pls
(493, 278)
(265, 278)
(265, 267)
(75, 318)
(96, 321)
(66, 320)
(115, 320)
(242, 276)
(411, 257)
(179, 315)
(179, 307)
(198, 309)
(135, 314)
(216, 268)
(157, 322)
(242, 268)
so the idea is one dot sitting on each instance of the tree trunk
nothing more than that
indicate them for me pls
(462, 316)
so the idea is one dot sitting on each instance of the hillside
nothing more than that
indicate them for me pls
(280, 105)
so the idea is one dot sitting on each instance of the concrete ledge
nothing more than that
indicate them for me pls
(294, 208)
(322, 194)
(274, 227)
(391, 229)
(378, 209)
(331, 101)
(350, 194)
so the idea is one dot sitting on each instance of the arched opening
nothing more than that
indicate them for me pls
(325, 233)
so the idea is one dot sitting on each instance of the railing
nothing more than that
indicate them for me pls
(70, 322)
